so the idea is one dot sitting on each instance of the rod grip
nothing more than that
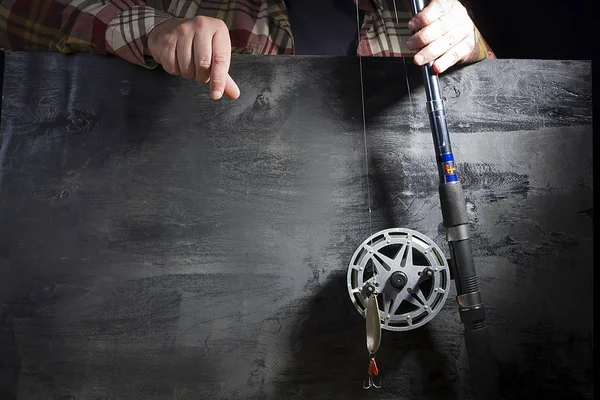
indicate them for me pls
(452, 202)
(465, 275)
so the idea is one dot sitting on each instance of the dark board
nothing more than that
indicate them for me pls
(156, 244)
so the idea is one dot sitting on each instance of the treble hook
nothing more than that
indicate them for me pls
(373, 371)
(370, 382)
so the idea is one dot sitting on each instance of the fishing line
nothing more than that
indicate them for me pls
(412, 108)
(362, 98)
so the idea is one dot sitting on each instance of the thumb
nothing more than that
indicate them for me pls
(232, 91)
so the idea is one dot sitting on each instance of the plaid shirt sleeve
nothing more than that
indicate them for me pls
(116, 26)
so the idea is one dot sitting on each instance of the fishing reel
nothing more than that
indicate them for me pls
(407, 273)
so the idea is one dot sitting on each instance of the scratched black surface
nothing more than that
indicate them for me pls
(155, 244)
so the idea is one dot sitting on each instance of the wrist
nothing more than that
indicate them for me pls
(481, 50)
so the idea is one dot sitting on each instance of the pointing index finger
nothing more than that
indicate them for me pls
(221, 59)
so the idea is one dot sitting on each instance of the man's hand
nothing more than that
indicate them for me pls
(445, 33)
(197, 48)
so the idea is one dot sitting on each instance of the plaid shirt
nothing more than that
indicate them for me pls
(121, 27)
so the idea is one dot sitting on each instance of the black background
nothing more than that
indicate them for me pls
(552, 29)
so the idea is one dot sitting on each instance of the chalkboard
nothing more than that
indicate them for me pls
(156, 244)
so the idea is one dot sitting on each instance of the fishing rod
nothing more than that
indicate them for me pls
(399, 279)
(456, 221)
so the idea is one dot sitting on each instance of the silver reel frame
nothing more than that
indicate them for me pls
(417, 260)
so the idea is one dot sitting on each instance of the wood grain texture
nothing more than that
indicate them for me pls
(155, 244)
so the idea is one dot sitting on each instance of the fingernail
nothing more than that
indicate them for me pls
(216, 95)
(419, 59)
(412, 25)
(409, 42)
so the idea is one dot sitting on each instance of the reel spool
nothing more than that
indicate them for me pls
(409, 273)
